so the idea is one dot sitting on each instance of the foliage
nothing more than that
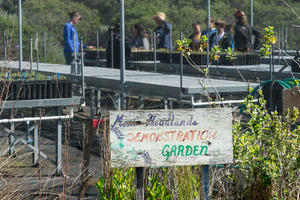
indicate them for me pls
(230, 54)
(27, 76)
(157, 189)
(101, 14)
(215, 53)
(184, 46)
(268, 145)
(120, 185)
(269, 41)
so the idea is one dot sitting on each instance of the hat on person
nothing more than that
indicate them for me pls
(160, 15)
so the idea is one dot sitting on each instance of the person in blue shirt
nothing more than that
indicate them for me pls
(220, 37)
(212, 29)
(163, 31)
(229, 31)
(69, 30)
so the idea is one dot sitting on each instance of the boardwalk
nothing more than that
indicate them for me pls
(145, 83)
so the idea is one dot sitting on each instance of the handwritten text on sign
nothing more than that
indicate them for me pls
(171, 137)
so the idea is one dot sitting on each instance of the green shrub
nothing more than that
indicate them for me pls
(267, 147)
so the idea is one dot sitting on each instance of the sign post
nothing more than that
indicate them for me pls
(156, 138)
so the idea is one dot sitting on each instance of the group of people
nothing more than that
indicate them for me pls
(220, 33)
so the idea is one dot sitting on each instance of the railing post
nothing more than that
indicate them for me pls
(82, 69)
(208, 30)
(155, 53)
(112, 49)
(37, 51)
(20, 37)
(45, 47)
(31, 53)
(5, 46)
(97, 47)
(75, 54)
(181, 66)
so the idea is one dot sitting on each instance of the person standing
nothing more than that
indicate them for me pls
(116, 39)
(229, 31)
(195, 36)
(243, 34)
(69, 31)
(163, 31)
(211, 27)
(220, 37)
(139, 38)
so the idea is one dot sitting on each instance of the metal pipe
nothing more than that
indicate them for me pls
(171, 50)
(155, 53)
(37, 51)
(122, 57)
(279, 45)
(82, 69)
(273, 62)
(75, 53)
(181, 66)
(31, 53)
(200, 103)
(25, 119)
(5, 46)
(45, 47)
(208, 30)
(97, 46)
(112, 49)
(286, 39)
(151, 39)
(251, 16)
(20, 37)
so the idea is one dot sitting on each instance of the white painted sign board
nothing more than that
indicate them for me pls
(171, 137)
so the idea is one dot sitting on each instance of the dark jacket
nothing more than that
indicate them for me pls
(224, 43)
(117, 51)
(242, 38)
(164, 36)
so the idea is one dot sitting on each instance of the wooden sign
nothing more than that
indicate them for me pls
(171, 137)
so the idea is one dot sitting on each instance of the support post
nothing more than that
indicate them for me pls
(11, 136)
(205, 182)
(82, 70)
(75, 55)
(59, 144)
(165, 103)
(279, 45)
(251, 17)
(37, 51)
(35, 156)
(20, 37)
(286, 39)
(141, 102)
(98, 101)
(122, 57)
(171, 50)
(97, 47)
(31, 53)
(181, 66)
(208, 30)
(155, 53)
(5, 46)
(139, 174)
(112, 49)
(45, 47)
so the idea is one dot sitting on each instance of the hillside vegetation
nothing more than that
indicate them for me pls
(50, 16)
